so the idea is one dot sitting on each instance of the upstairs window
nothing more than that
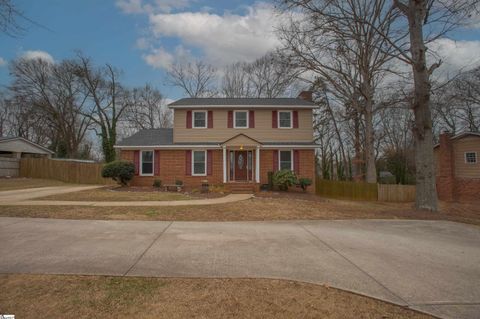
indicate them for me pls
(471, 157)
(199, 119)
(241, 119)
(285, 160)
(284, 119)
(147, 163)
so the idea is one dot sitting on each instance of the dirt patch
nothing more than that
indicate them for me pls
(255, 209)
(50, 296)
(7, 184)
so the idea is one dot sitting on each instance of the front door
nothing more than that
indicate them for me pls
(241, 165)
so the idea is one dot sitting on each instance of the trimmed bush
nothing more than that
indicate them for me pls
(304, 183)
(284, 179)
(120, 171)
(157, 183)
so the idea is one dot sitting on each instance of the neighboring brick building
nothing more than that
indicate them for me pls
(458, 166)
(231, 142)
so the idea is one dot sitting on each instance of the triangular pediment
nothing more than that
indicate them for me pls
(241, 140)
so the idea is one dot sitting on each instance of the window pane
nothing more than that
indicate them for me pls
(147, 168)
(199, 119)
(285, 160)
(471, 157)
(199, 162)
(241, 119)
(147, 156)
(284, 119)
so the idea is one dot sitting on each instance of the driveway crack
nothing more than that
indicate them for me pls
(146, 249)
(354, 265)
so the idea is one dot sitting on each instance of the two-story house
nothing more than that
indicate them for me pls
(230, 141)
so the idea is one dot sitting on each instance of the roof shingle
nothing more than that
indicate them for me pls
(242, 101)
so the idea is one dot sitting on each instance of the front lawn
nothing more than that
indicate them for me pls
(7, 184)
(116, 194)
(282, 207)
(53, 296)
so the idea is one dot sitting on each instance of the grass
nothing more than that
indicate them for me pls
(53, 296)
(109, 194)
(256, 209)
(7, 184)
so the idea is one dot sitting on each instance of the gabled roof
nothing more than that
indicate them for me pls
(6, 139)
(149, 137)
(238, 102)
(460, 136)
(242, 139)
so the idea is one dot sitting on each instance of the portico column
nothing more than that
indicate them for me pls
(224, 164)
(257, 165)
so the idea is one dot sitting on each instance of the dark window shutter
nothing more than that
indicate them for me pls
(189, 119)
(210, 119)
(274, 119)
(230, 119)
(295, 119)
(251, 119)
(275, 160)
(156, 159)
(209, 162)
(188, 163)
(296, 162)
(136, 162)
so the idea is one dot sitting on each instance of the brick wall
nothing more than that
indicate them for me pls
(449, 186)
(172, 167)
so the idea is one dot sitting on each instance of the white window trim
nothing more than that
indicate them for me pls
(141, 163)
(465, 157)
(235, 119)
(206, 119)
(291, 119)
(193, 162)
(291, 159)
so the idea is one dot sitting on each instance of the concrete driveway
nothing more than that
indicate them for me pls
(432, 266)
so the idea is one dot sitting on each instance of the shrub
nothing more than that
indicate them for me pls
(284, 179)
(270, 181)
(304, 183)
(178, 182)
(157, 183)
(120, 171)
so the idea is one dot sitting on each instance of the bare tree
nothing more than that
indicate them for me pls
(147, 109)
(195, 79)
(47, 99)
(9, 16)
(106, 101)
(338, 40)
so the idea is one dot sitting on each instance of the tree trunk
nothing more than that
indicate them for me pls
(371, 171)
(426, 196)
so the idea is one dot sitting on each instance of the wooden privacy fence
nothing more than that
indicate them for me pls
(9, 166)
(69, 171)
(365, 191)
(396, 193)
(346, 190)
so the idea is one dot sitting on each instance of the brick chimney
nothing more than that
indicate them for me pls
(445, 168)
(306, 95)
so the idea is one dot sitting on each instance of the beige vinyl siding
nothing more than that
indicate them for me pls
(263, 131)
(460, 146)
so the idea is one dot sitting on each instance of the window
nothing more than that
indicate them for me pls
(285, 119)
(285, 160)
(199, 119)
(199, 163)
(241, 119)
(471, 157)
(147, 163)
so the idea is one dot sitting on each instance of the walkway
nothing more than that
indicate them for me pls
(24, 197)
(432, 266)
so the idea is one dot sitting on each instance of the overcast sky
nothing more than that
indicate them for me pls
(143, 36)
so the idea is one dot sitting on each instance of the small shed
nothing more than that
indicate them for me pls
(12, 149)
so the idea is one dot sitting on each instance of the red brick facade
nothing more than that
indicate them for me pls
(173, 162)
(449, 186)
